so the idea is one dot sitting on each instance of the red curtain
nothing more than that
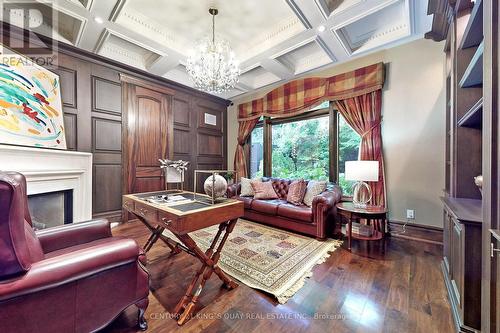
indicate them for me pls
(244, 131)
(364, 114)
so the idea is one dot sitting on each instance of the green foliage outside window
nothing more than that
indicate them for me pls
(300, 149)
(349, 142)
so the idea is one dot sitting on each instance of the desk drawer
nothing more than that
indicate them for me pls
(128, 204)
(167, 220)
(146, 212)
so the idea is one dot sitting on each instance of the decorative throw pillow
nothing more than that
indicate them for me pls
(263, 190)
(246, 188)
(313, 189)
(296, 192)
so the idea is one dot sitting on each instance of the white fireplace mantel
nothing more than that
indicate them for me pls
(50, 170)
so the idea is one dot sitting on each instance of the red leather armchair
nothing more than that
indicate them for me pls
(72, 278)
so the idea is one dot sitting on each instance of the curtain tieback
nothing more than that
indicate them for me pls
(371, 129)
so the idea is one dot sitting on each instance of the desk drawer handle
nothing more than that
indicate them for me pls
(143, 211)
(166, 221)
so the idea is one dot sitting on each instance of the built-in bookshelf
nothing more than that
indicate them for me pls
(471, 228)
(462, 200)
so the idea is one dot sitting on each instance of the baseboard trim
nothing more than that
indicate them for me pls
(416, 232)
(113, 216)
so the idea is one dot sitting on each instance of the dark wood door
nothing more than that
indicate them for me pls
(147, 138)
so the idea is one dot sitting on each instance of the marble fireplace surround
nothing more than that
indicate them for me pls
(50, 170)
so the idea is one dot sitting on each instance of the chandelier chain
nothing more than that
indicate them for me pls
(213, 28)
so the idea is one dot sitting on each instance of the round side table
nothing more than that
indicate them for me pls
(378, 214)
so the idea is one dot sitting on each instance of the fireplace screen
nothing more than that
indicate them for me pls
(51, 209)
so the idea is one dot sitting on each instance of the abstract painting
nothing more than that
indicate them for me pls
(30, 104)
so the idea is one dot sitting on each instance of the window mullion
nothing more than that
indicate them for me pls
(268, 146)
(333, 145)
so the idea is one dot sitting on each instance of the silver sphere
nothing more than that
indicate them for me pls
(215, 186)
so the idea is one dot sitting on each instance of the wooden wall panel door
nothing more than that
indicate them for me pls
(199, 135)
(147, 139)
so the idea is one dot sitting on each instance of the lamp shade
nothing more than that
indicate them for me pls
(361, 170)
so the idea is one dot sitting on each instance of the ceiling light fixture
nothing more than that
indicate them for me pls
(321, 28)
(212, 65)
(98, 20)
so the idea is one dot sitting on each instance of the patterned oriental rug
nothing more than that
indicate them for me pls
(272, 260)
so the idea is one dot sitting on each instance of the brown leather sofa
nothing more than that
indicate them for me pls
(317, 220)
(73, 278)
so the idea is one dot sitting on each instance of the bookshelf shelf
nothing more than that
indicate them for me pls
(474, 117)
(473, 75)
(473, 34)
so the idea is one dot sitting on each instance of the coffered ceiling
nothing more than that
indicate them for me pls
(274, 40)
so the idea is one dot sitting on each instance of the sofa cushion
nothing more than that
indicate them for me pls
(269, 207)
(290, 211)
(281, 187)
(263, 190)
(246, 187)
(296, 192)
(247, 201)
(313, 189)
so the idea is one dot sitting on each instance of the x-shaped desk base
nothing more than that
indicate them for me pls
(184, 309)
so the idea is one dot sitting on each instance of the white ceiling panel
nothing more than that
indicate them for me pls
(305, 58)
(258, 77)
(179, 75)
(274, 40)
(381, 27)
(119, 49)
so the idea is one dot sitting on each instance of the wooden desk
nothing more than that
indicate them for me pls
(181, 218)
(370, 213)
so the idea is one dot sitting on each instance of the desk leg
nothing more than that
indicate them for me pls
(156, 233)
(209, 261)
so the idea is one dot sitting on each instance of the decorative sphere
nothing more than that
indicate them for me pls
(215, 186)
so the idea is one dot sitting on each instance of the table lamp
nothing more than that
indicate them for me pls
(361, 172)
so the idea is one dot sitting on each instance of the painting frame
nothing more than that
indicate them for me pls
(31, 109)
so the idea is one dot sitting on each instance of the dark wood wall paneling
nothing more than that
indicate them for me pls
(106, 141)
(201, 143)
(91, 96)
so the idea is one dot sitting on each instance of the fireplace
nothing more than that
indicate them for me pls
(51, 209)
(59, 182)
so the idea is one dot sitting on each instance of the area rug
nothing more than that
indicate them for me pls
(272, 260)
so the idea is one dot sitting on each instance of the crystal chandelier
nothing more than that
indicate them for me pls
(212, 66)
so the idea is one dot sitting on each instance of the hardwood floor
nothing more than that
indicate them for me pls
(401, 291)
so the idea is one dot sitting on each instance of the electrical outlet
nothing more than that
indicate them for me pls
(410, 214)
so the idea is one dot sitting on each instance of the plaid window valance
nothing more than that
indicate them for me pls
(301, 95)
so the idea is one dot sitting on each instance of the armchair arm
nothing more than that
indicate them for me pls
(233, 190)
(72, 266)
(60, 237)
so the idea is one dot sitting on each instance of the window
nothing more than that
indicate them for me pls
(348, 142)
(314, 145)
(300, 149)
(257, 152)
